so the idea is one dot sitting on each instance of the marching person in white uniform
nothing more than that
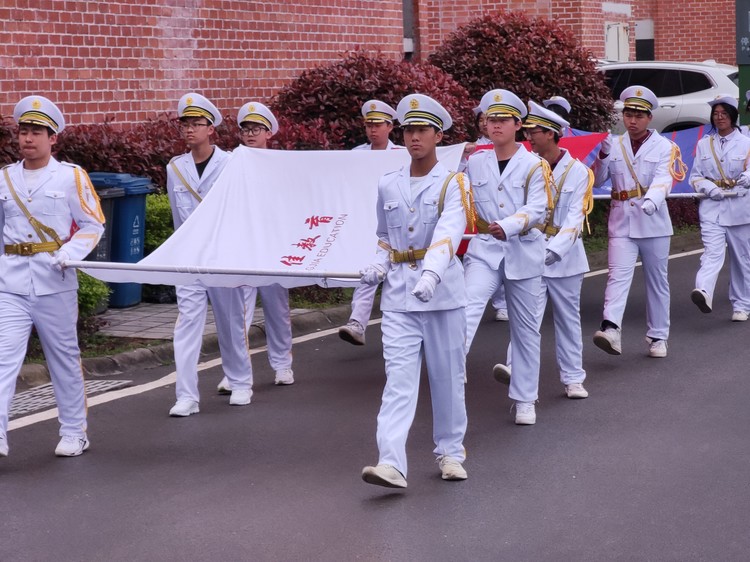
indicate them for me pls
(559, 105)
(720, 172)
(257, 125)
(565, 258)
(422, 214)
(378, 117)
(41, 198)
(510, 189)
(641, 164)
(189, 178)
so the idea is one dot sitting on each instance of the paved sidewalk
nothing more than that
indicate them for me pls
(156, 321)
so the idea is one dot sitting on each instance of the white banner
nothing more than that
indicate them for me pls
(290, 217)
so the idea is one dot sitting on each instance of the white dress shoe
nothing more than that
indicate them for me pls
(739, 316)
(451, 468)
(657, 348)
(701, 299)
(501, 315)
(223, 387)
(609, 340)
(71, 446)
(284, 377)
(576, 390)
(240, 397)
(383, 475)
(353, 332)
(501, 373)
(525, 413)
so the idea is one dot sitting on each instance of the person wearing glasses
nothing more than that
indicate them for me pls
(642, 165)
(257, 125)
(378, 117)
(189, 178)
(510, 186)
(720, 172)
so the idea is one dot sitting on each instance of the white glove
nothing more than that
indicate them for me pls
(716, 194)
(606, 145)
(648, 207)
(60, 257)
(372, 274)
(550, 257)
(743, 181)
(425, 287)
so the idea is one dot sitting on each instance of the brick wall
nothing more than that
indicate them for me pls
(129, 60)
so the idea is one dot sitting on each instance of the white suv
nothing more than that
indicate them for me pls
(683, 88)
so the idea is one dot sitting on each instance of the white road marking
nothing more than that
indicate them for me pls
(172, 377)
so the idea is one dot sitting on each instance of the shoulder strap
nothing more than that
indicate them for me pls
(630, 167)
(551, 219)
(185, 183)
(716, 159)
(39, 228)
(441, 202)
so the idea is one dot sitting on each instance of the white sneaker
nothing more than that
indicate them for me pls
(501, 315)
(657, 348)
(739, 316)
(71, 446)
(240, 397)
(525, 413)
(609, 340)
(183, 408)
(451, 468)
(353, 332)
(576, 390)
(701, 300)
(223, 387)
(501, 373)
(3, 446)
(284, 377)
(383, 475)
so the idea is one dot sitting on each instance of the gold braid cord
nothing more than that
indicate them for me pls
(588, 200)
(679, 173)
(548, 181)
(94, 213)
(467, 200)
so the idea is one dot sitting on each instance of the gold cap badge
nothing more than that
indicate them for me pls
(251, 107)
(189, 101)
(373, 106)
(36, 104)
(414, 104)
(639, 93)
(498, 97)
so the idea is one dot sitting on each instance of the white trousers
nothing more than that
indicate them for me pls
(623, 253)
(278, 325)
(230, 315)
(498, 298)
(438, 336)
(362, 302)
(565, 295)
(523, 303)
(55, 317)
(715, 240)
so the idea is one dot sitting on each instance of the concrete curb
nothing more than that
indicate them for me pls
(302, 324)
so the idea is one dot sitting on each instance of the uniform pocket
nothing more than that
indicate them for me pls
(517, 192)
(10, 208)
(54, 203)
(183, 198)
(392, 214)
(430, 211)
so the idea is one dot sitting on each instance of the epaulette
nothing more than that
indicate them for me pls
(64, 163)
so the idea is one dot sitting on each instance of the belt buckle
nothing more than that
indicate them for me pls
(25, 249)
(622, 195)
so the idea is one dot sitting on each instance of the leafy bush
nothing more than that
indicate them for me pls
(159, 224)
(533, 57)
(92, 293)
(327, 99)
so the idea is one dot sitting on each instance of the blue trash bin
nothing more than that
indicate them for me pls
(128, 229)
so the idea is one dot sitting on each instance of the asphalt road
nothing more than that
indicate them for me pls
(653, 466)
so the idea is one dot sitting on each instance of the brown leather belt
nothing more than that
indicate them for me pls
(31, 248)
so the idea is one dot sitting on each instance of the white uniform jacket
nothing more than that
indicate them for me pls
(405, 223)
(64, 194)
(183, 202)
(652, 166)
(368, 146)
(733, 158)
(569, 216)
(517, 201)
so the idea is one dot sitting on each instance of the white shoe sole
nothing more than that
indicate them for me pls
(75, 454)
(501, 373)
(350, 336)
(699, 299)
(603, 343)
(377, 480)
(279, 382)
(183, 414)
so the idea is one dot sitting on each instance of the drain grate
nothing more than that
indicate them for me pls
(42, 397)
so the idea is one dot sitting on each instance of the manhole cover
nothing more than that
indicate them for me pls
(42, 397)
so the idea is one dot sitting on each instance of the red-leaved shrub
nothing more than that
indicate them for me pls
(328, 99)
(533, 57)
